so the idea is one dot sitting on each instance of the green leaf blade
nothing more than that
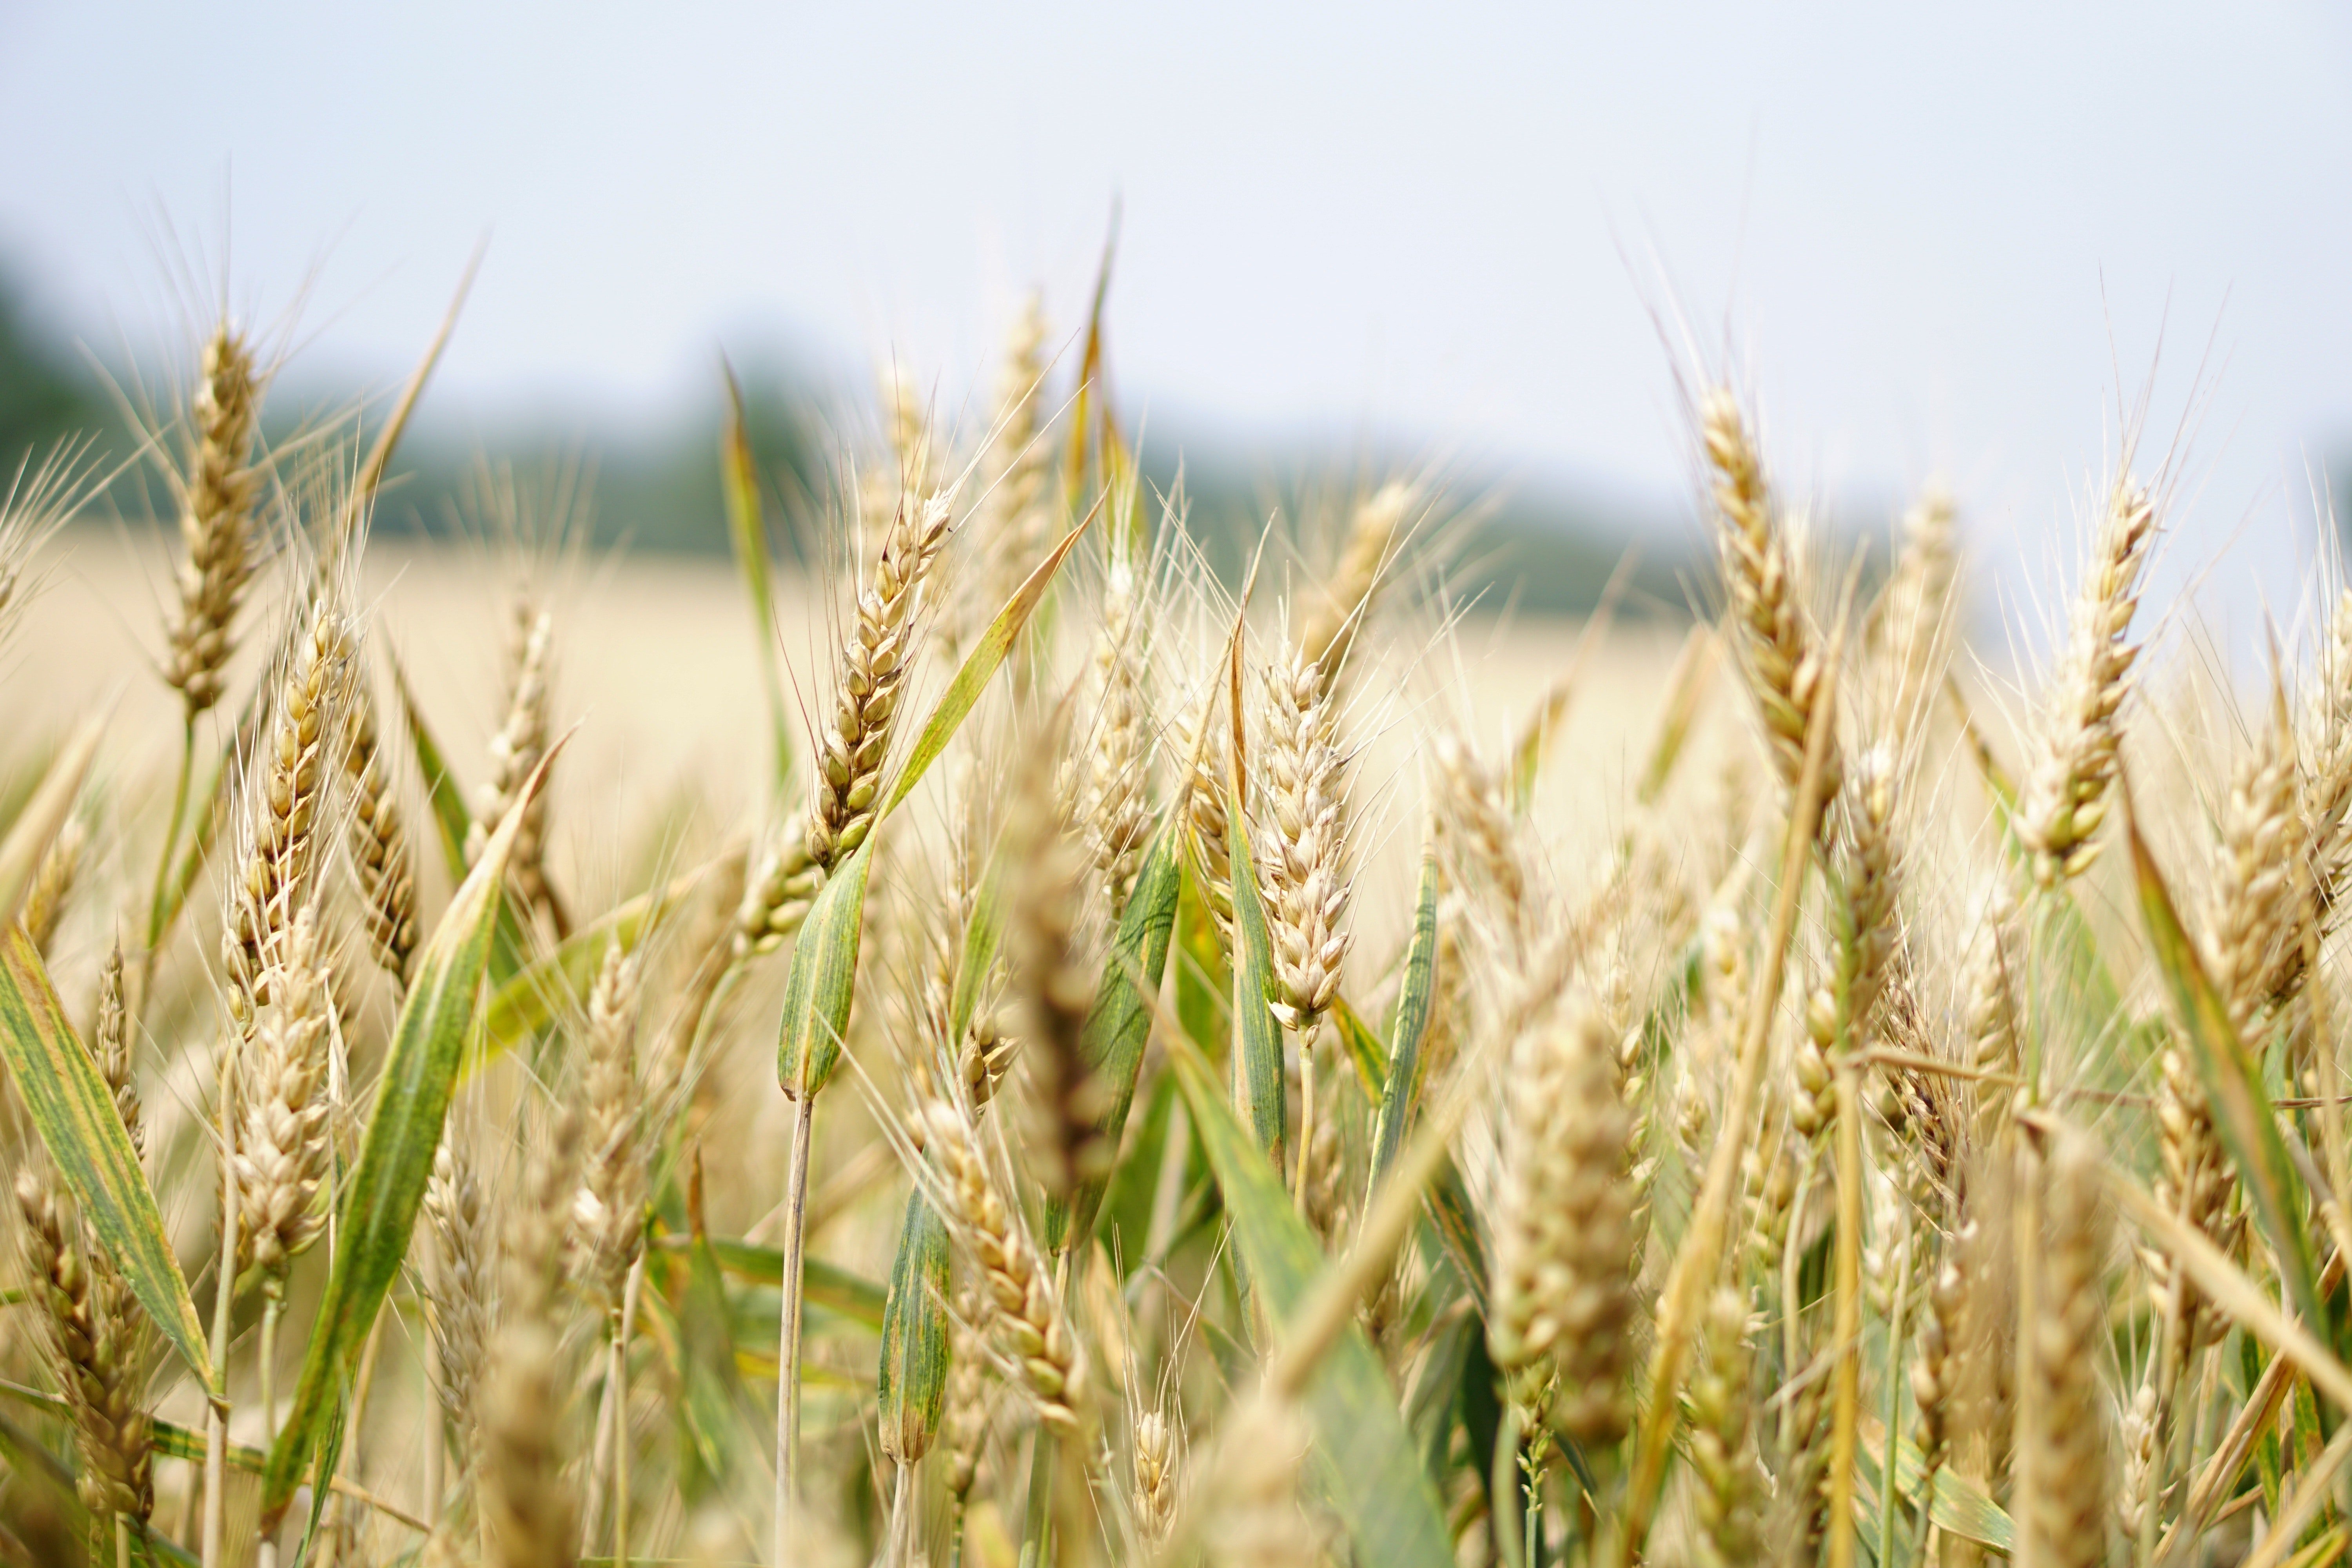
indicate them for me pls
(1118, 1024)
(1257, 1038)
(1364, 1452)
(73, 1111)
(387, 1186)
(1401, 1091)
(822, 981)
(2241, 1110)
(911, 1384)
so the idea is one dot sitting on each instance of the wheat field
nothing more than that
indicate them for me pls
(1013, 1050)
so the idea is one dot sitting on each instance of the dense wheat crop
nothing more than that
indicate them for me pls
(1080, 1061)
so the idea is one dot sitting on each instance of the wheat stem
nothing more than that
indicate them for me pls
(787, 1344)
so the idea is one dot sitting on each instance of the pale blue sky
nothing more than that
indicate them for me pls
(1937, 237)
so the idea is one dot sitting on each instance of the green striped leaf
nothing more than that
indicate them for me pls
(1257, 1038)
(822, 1284)
(823, 980)
(1367, 1461)
(451, 819)
(2232, 1082)
(982, 934)
(963, 693)
(911, 1385)
(73, 1111)
(557, 983)
(1401, 1094)
(420, 1073)
(746, 530)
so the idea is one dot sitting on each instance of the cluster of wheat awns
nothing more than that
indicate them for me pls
(1856, 1150)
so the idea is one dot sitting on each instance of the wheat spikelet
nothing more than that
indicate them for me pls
(1723, 1441)
(1934, 1365)
(1476, 829)
(2328, 764)
(1344, 602)
(1011, 521)
(609, 1208)
(1114, 759)
(53, 881)
(284, 790)
(217, 500)
(1301, 853)
(111, 1045)
(1155, 1460)
(2064, 1440)
(777, 895)
(1202, 744)
(459, 1222)
(515, 752)
(527, 1506)
(1562, 1261)
(1914, 628)
(1779, 648)
(97, 1339)
(1868, 932)
(875, 658)
(2254, 950)
(380, 857)
(1057, 988)
(965, 1424)
(1021, 1304)
(1991, 1020)
(282, 1144)
(2065, 797)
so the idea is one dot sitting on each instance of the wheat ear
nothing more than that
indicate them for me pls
(1562, 1249)
(217, 500)
(1303, 854)
(98, 1341)
(2061, 1409)
(526, 1501)
(1029, 1321)
(1723, 1440)
(515, 754)
(53, 883)
(2065, 797)
(1057, 988)
(608, 1210)
(380, 857)
(459, 1226)
(1346, 601)
(875, 659)
(1779, 647)
(282, 1145)
(1113, 763)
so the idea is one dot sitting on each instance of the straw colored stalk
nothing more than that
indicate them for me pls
(875, 659)
(1779, 648)
(515, 754)
(1025, 1316)
(217, 500)
(2065, 797)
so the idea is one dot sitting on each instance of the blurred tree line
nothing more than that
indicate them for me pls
(1539, 550)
